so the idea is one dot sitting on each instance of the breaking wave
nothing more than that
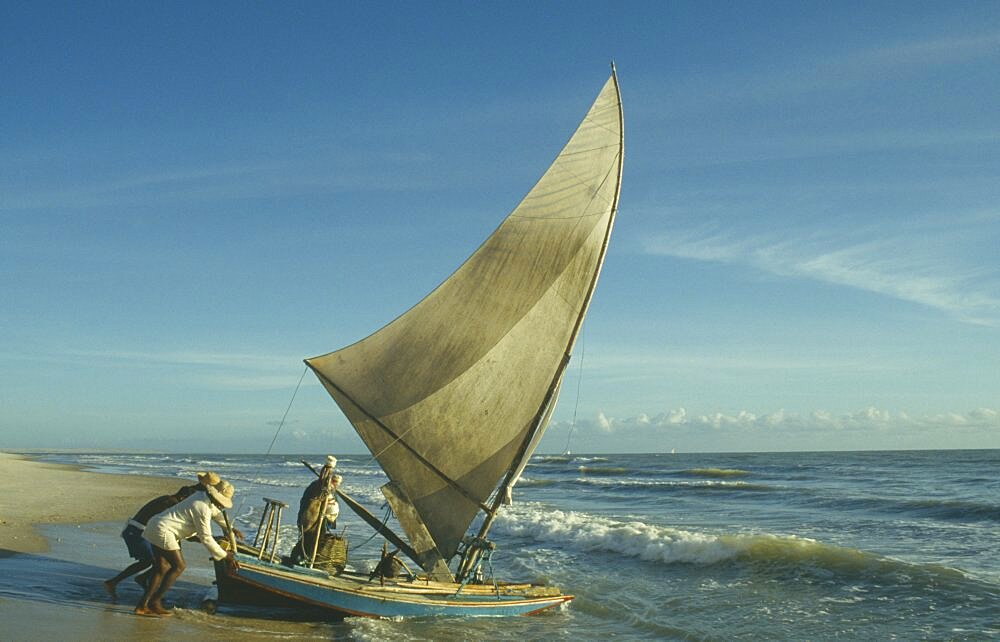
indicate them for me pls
(665, 545)
(524, 482)
(674, 484)
(258, 481)
(564, 459)
(551, 459)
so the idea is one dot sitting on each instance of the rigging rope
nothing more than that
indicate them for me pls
(275, 438)
(282, 422)
(385, 520)
(579, 380)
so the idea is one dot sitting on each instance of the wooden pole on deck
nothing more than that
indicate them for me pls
(277, 529)
(229, 532)
(319, 526)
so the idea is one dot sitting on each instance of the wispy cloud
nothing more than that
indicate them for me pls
(904, 268)
(367, 171)
(188, 358)
(129, 187)
(631, 364)
(212, 370)
(921, 53)
(837, 71)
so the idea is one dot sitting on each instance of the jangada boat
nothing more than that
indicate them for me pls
(452, 398)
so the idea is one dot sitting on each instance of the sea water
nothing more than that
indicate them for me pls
(804, 546)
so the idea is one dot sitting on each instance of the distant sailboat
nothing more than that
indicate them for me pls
(453, 396)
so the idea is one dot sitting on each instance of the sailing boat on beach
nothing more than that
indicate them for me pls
(453, 396)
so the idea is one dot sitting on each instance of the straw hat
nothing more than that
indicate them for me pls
(222, 493)
(331, 461)
(208, 479)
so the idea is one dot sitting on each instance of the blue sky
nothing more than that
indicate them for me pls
(194, 198)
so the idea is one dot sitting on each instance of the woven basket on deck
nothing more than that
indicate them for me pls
(331, 556)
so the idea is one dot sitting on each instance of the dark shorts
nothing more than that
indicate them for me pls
(138, 546)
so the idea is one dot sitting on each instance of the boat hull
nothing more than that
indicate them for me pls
(261, 583)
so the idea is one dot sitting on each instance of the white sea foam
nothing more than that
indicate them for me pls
(264, 481)
(633, 539)
(636, 539)
(660, 483)
(575, 530)
(360, 472)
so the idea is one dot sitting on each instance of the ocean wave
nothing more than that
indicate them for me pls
(360, 472)
(565, 459)
(524, 482)
(956, 510)
(602, 470)
(665, 545)
(951, 510)
(264, 481)
(111, 458)
(345, 471)
(674, 484)
(715, 472)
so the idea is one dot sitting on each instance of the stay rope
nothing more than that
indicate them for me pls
(284, 416)
(281, 424)
(579, 380)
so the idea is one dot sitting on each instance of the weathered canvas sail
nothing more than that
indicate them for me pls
(453, 395)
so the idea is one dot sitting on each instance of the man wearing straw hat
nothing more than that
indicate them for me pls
(139, 548)
(193, 516)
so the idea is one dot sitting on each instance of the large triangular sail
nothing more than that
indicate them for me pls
(452, 396)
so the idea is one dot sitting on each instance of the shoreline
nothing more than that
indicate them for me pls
(38, 493)
(59, 539)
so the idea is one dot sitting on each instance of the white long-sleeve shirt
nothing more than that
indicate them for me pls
(190, 517)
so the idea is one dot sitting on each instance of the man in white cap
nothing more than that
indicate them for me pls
(165, 531)
(310, 506)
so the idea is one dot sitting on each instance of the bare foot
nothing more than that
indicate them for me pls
(145, 612)
(159, 610)
(109, 586)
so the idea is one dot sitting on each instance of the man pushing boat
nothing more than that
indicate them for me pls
(139, 548)
(165, 531)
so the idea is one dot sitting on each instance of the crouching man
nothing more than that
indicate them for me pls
(165, 531)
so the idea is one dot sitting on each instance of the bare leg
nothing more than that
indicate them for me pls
(160, 567)
(109, 585)
(176, 567)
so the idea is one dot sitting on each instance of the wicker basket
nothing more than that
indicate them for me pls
(331, 556)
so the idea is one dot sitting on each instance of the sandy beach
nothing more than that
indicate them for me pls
(59, 538)
(40, 493)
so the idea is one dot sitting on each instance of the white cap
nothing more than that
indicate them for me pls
(331, 461)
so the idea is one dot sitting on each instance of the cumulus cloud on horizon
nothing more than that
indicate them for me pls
(866, 419)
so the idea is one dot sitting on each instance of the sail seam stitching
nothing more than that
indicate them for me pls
(579, 181)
